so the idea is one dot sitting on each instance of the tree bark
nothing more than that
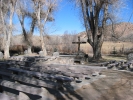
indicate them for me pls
(6, 51)
(97, 52)
(42, 43)
(29, 50)
(8, 40)
(95, 27)
(41, 30)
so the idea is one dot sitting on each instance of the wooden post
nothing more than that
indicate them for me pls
(78, 43)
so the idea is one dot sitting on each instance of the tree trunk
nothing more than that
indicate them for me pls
(8, 40)
(42, 43)
(29, 50)
(41, 31)
(97, 52)
(6, 51)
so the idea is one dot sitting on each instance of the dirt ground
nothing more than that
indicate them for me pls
(117, 85)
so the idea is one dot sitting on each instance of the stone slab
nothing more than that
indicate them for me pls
(6, 97)
(1, 55)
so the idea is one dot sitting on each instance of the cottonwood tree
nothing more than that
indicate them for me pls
(7, 8)
(43, 10)
(95, 15)
(25, 10)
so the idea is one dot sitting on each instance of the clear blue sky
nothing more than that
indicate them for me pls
(127, 11)
(67, 18)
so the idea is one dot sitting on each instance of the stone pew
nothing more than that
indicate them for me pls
(68, 70)
(123, 67)
(50, 70)
(17, 58)
(113, 65)
(112, 61)
(104, 64)
(24, 79)
(41, 59)
(33, 81)
(122, 62)
(29, 73)
(39, 69)
(6, 97)
(69, 74)
(43, 75)
(130, 65)
(130, 62)
(83, 69)
(54, 71)
(22, 88)
(5, 74)
(3, 65)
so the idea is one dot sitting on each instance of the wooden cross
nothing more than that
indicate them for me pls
(78, 43)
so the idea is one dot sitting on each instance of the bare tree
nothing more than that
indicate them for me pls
(95, 15)
(23, 12)
(67, 40)
(44, 9)
(10, 5)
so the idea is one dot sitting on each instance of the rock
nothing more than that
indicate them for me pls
(1, 55)
(56, 54)
(25, 52)
(78, 80)
(23, 96)
(6, 97)
(41, 53)
(95, 74)
(130, 56)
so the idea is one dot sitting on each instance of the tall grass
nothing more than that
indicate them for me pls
(109, 47)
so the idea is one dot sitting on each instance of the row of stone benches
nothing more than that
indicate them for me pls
(29, 80)
(66, 70)
(120, 65)
(44, 73)
(29, 92)
(28, 84)
(32, 59)
(31, 87)
(35, 80)
(6, 97)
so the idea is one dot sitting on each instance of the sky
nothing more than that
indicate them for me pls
(67, 18)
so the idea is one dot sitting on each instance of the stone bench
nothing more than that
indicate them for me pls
(123, 67)
(43, 75)
(20, 87)
(6, 97)
(41, 59)
(112, 61)
(7, 86)
(33, 81)
(104, 64)
(76, 60)
(69, 74)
